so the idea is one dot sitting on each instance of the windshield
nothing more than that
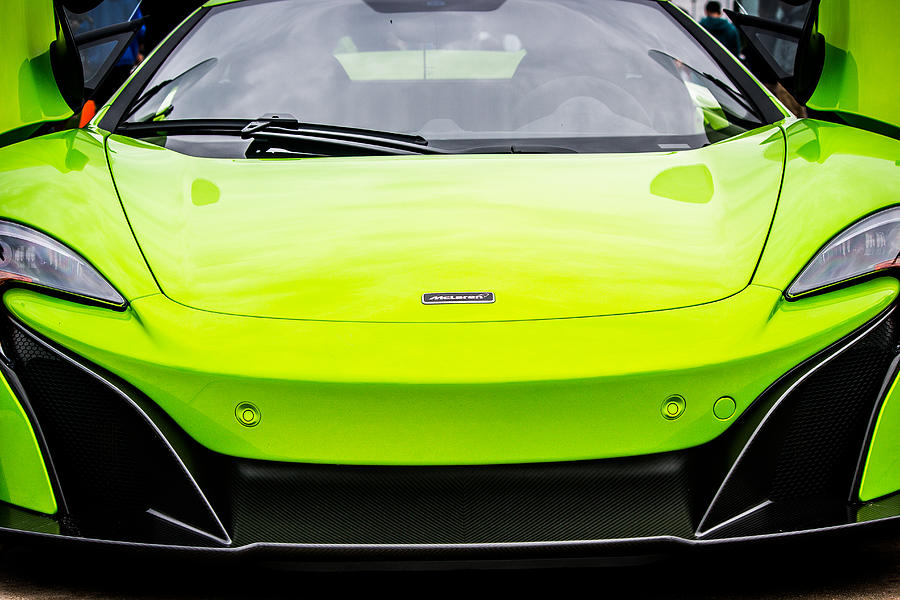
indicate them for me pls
(463, 74)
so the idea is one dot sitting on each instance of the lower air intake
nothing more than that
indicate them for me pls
(113, 465)
(586, 500)
(828, 417)
(806, 451)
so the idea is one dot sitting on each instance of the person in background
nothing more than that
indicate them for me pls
(133, 54)
(721, 28)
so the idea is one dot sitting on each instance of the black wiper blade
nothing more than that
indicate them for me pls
(264, 146)
(520, 148)
(286, 132)
(735, 95)
(183, 127)
(286, 129)
(145, 97)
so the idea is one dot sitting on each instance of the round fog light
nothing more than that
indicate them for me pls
(247, 414)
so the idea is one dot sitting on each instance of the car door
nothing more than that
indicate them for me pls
(838, 57)
(48, 68)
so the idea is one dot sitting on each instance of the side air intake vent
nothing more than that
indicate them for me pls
(117, 473)
(828, 417)
(805, 451)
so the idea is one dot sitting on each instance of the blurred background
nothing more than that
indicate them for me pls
(770, 9)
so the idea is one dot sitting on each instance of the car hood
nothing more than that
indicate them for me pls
(362, 239)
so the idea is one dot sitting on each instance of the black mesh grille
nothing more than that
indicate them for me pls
(97, 442)
(588, 500)
(112, 464)
(829, 415)
(808, 447)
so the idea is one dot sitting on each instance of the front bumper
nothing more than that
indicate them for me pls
(453, 393)
(125, 472)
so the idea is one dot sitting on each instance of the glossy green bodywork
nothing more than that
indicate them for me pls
(861, 67)
(454, 393)
(30, 96)
(882, 471)
(834, 176)
(61, 185)
(513, 390)
(23, 475)
(361, 239)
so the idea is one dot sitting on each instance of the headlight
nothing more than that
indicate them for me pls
(863, 249)
(31, 257)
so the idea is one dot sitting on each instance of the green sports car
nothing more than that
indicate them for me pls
(448, 279)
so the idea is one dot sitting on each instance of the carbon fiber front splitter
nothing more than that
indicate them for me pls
(23, 527)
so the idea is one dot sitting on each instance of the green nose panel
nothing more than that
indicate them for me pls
(23, 476)
(29, 96)
(882, 473)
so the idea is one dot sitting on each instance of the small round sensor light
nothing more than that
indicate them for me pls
(247, 414)
(724, 408)
(673, 407)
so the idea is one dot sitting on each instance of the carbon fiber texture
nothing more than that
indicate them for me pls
(788, 515)
(587, 500)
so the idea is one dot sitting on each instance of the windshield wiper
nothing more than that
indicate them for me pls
(286, 132)
(183, 81)
(735, 95)
(519, 148)
(722, 85)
